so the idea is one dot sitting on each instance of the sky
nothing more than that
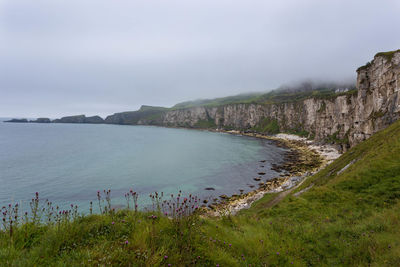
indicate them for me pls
(98, 57)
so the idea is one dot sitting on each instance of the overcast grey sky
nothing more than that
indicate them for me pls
(65, 57)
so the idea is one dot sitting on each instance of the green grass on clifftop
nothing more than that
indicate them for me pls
(348, 217)
(282, 95)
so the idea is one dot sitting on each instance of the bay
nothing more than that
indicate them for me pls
(68, 163)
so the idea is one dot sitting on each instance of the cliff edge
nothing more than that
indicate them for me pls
(344, 119)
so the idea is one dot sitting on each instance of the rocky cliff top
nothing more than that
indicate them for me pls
(387, 56)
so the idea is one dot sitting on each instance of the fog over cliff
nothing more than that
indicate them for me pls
(99, 57)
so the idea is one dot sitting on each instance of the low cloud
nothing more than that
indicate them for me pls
(100, 57)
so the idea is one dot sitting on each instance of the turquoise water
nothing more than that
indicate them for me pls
(68, 163)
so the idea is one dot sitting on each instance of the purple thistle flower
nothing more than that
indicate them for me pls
(112, 223)
(165, 257)
(126, 242)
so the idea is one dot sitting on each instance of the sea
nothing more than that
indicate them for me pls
(68, 163)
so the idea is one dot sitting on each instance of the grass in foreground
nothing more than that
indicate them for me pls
(349, 217)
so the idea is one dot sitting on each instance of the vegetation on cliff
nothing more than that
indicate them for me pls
(146, 114)
(346, 215)
(267, 125)
(388, 55)
(242, 98)
(283, 94)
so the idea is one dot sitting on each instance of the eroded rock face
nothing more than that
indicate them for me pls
(345, 119)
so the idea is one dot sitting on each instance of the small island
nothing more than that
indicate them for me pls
(17, 120)
(41, 120)
(68, 119)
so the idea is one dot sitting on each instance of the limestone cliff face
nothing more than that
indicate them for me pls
(188, 117)
(345, 119)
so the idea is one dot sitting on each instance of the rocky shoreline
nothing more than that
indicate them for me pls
(303, 159)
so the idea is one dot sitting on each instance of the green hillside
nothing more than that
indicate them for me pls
(149, 113)
(280, 95)
(242, 98)
(349, 216)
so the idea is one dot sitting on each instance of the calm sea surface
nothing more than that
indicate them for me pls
(68, 163)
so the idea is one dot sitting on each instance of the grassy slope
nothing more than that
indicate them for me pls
(347, 219)
(149, 113)
(273, 97)
(350, 219)
(242, 98)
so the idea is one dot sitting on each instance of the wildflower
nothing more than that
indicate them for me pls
(165, 257)
(230, 245)
(126, 242)
(112, 223)
(277, 253)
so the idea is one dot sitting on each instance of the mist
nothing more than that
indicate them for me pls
(99, 57)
